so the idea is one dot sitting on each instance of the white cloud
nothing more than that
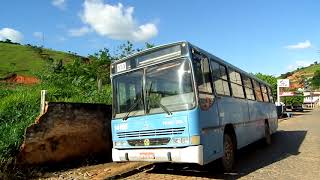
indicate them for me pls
(61, 38)
(38, 35)
(79, 32)
(300, 45)
(13, 35)
(116, 21)
(299, 64)
(61, 4)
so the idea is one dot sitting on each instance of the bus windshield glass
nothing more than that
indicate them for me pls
(127, 96)
(168, 88)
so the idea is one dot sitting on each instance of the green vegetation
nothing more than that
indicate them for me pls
(315, 81)
(310, 70)
(292, 100)
(18, 107)
(305, 71)
(27, 59)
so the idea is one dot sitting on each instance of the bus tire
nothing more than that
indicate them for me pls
(229, 152)
(267, 133)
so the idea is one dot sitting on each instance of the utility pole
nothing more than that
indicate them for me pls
(42, 39)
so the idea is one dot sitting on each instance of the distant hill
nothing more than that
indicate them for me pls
(27, 59)
(299, 76)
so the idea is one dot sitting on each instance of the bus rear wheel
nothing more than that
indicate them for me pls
(267, 133)
(228, 159)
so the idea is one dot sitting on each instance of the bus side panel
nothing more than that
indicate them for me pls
(273, 118)
(235, 111)
(258, 114)
(211, 133)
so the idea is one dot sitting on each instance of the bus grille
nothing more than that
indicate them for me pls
(154, 132)
(152, 142)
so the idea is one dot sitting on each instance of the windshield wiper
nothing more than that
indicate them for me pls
(165, 108)
(134, 105)
(159, 103)
(131, 108)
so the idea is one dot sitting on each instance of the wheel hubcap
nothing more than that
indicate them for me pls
(228, 151)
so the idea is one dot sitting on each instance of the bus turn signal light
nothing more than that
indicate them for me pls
(195, 140)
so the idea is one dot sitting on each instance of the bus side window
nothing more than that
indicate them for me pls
(248, 87)
(236, 83)
(257, 90)
(270, 94)
(203, 80)
(264, 93)
(220, 79)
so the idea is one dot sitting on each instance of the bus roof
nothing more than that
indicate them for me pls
(197, 48)
(149, 50)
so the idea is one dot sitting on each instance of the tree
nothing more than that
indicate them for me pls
(269, 79)
(149, 45)
(125, 49)
(315, 81)
(8, 41)
(292, 100)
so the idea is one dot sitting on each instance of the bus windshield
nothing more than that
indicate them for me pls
(127, 94)
(168, 88)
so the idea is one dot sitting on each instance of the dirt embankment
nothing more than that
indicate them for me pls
(66, 132)
(20, 79)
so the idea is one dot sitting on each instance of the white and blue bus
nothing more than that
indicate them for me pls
(179, 103)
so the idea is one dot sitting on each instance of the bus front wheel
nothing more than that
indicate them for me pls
(228, 159)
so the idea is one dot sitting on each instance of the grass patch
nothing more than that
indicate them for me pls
(27, 59)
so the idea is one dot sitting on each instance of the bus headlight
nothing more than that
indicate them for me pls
(119, 143)
(181, 140)
(195, 140)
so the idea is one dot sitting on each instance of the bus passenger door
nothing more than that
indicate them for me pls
(208, 113)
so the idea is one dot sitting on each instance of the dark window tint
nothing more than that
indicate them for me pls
(257, 90)
(236, 83)
(264, 93)
(248, 87)
(220, 79)
(203, 80)
(270, 95)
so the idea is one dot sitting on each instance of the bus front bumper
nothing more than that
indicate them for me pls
(191, 154)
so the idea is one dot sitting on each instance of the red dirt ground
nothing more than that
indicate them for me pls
(21, 79)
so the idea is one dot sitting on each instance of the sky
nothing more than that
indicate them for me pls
(270, 37)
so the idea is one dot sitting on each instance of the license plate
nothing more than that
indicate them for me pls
(147, 155)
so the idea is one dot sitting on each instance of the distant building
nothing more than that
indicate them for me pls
(311, 99)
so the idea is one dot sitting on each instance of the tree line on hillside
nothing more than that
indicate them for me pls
(8, 41)
(315, 81)
(287, 74)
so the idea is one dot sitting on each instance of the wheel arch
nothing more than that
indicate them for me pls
(229, 129)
